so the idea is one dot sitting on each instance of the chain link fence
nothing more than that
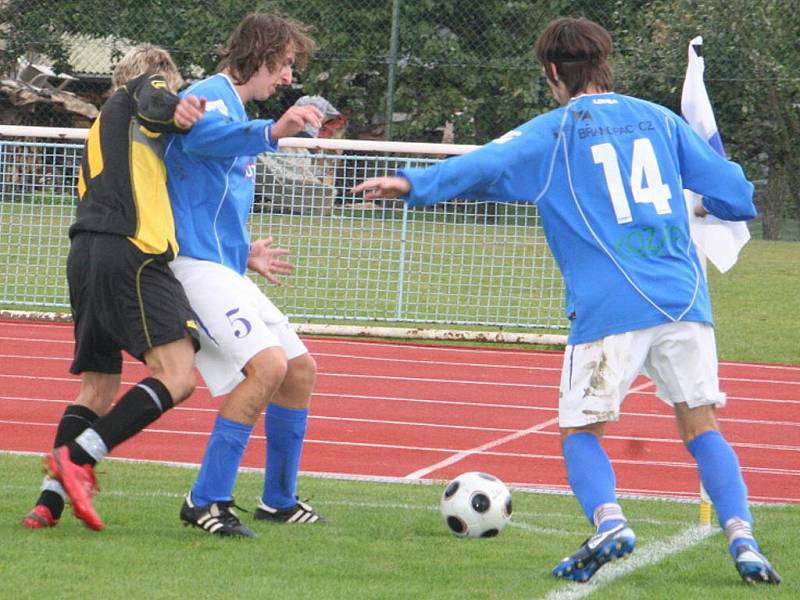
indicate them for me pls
(422, 70)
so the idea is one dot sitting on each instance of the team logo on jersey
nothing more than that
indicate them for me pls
(218, 106)
(507, 137)
(581, 115)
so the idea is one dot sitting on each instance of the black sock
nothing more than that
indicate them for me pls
(139, 406)
(75, 419)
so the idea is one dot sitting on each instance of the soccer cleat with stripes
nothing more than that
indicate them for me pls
(39, 517)
(79, 484)
(301, 512)
(598, 550)
(754, 567)
(217, 518)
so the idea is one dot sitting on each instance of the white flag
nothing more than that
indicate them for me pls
(720, 241)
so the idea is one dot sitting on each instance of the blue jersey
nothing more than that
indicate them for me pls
(607, 174)
(212, 176)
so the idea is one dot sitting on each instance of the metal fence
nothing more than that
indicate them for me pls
(386, 61)
(434, 70)
(465, 264)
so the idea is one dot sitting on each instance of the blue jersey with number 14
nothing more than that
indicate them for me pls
(607, 174)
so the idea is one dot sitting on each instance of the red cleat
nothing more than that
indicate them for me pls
(40, 517)
(78, 482)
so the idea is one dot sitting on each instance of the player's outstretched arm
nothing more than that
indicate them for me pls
(266, 260)
(383, 187)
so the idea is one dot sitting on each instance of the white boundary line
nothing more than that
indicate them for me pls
(459, 456)
(649, 555)
(625, 494)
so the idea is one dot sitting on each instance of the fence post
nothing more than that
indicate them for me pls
(393, 48)
(401, 274)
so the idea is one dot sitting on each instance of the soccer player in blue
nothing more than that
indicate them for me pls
(607, 173)
(249, 352)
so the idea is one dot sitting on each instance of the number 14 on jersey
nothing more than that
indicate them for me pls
(646, 183)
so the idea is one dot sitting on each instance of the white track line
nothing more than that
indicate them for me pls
(640, 390)
(527, 368)
(456, 454)
(622, 492)
(374, 421)
(479, 449)
(393, 345)
(651, 554)
(349, 357)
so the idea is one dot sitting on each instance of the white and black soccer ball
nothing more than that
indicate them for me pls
(476, 504)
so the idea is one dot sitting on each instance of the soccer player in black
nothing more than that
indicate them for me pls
(122, 292)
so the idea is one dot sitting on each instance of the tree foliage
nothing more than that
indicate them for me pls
(470, 62)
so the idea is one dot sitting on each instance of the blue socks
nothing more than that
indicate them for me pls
(221, 462)
(286, 430)
(722, 478)
(590, 475)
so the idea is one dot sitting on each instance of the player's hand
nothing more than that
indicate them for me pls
(294, 119)
(266, 260)
(383, 187)
(189, 110)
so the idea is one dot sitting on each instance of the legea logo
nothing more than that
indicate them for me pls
(250, 170)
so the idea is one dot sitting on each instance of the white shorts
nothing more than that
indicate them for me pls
(236, 321)
(680, 358)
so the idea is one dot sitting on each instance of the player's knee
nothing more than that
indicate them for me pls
(302, 371)
(98, 391)
(695, 421)
(266, 371)
(184, 386)
(598, 429)
(180, 384)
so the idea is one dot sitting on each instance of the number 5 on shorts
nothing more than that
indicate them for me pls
(241, 326)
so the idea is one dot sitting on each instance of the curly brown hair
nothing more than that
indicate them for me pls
(262, 38)
(579, 48)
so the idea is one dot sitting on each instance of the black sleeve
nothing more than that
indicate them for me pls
(154, 105)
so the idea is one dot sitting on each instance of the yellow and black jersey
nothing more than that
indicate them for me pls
(122, 185)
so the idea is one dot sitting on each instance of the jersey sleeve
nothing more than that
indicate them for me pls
(511, 168)
(154, 104)
(223, 134)
(727, 194)
(217, 136)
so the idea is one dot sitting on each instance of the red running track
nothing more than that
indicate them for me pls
(413, 411)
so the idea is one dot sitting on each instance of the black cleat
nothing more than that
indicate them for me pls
(301, 512)
(754, 567)
(598, 550)
(217, 518)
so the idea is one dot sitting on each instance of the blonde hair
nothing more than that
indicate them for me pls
(146, 58)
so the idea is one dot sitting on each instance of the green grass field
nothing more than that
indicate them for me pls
(387, 540)
(383, 541)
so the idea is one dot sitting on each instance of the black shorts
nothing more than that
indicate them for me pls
(122, 299)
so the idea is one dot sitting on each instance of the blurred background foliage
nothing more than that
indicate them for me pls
(458, 70)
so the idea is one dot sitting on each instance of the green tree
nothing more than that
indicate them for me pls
(470, 62)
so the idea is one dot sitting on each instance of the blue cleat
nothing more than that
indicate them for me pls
(754, 566)
(598, 550)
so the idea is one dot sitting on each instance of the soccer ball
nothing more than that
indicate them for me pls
(476, 505)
